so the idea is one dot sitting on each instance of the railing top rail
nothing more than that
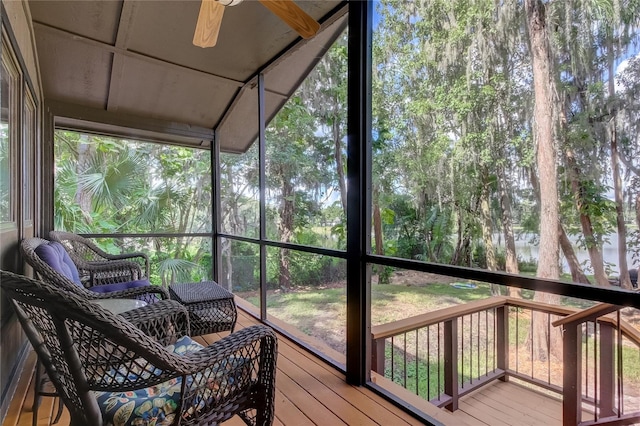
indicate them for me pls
(589, 314)
(547, 308)
(570, 314)
(627, 330)
(430, 318)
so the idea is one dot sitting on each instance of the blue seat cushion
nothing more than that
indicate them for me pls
(107, 288)
(55, 255)
(157, 405)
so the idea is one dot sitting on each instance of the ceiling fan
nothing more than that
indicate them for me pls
(211, 11)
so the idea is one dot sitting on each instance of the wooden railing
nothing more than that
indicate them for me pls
(608, 329)
(445, 354)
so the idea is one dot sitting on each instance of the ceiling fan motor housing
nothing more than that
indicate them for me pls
(229, 2)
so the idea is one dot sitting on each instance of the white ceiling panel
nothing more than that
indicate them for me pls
(73, 71)
(97, 20)
(171, 93)
(249, 37)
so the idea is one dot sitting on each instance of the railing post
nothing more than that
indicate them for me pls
(606, 401)
(502, 340)
(377, 355)
(572, 374)
(451, 362)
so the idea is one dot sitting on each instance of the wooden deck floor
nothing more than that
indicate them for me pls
(311, 392)
(503, 404)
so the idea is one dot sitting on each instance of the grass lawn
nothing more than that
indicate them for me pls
(321, 313)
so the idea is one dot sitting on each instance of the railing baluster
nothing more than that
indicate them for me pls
(461, 350)
(571, 377)
(531, 334)
(451, 362)
(417, 366)
(478, 348)
(470, 350)
(549, 348)
(429, 363)
(501, 330)
(496, 313)
(597, 337)
(517, 340)
(404, 360)
(486, 346)
(439, 371)
(586, 358)
(378, 355)
(620, 384)
(392, 356)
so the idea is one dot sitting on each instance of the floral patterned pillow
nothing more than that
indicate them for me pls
(157, 405)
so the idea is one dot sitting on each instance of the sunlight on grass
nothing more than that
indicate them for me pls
(394, 302)
(321, 313)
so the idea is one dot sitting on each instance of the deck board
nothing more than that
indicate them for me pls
(310, 391)
(21, 401)
(502, 403)
(513, 409)
(515, 396)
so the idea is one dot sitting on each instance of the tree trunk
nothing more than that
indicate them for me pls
(228, 257)
(467, 258)
(234, 218)
(86, 151)
(457, 254)
(511, 257)
(544, 88)
(625, 282)
(638, 210)
(487, 234)
(487, 229)
(592, 243)
(342, 182)
(577, 274)
(543, 130)
(377, 233)
(286, 232)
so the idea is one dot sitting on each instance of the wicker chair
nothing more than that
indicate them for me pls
(142, 290)
(150, 294)
(108, 371)
(87, 256)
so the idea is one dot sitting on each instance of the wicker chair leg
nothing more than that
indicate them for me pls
(37, 395)
(59, 412)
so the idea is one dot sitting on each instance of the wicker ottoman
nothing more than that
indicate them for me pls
(211, 307)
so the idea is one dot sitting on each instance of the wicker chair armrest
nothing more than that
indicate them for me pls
(255, 347)
(128, 256)
(238, 367)
(164, 321)
(108, 272)
(150, 294)
(249, 342)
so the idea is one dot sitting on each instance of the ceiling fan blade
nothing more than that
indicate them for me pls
(295, 17)
(208, 26)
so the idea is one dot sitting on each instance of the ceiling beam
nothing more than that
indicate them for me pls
(118, 50)
(127, 16)
(128, 125)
